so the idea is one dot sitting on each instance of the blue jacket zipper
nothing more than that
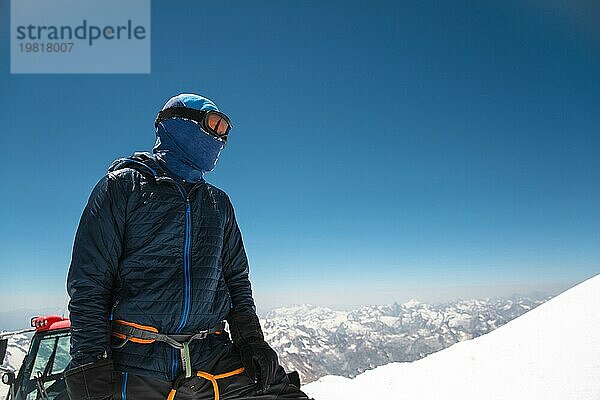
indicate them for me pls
(124, 387)
(187, 279)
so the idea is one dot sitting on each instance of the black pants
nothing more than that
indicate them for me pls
(223, 378)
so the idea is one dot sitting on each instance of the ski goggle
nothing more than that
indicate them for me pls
(213, 122)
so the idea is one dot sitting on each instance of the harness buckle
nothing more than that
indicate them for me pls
(203, 334)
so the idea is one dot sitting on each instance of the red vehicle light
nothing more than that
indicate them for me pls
(47, 323)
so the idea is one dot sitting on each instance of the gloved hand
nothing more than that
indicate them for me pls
(91, 381)
(261, 363)
(258, 358)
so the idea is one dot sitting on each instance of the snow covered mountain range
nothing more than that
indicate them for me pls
(550, 353)
(318, 341)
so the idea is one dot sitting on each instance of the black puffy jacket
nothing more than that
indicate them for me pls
(149, 252)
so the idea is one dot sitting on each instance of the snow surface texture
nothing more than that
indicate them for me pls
(317, 341)
(550, 353)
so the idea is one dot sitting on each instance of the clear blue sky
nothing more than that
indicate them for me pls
(379, 148)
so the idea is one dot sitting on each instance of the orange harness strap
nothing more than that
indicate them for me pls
(138, 326)
(213, 379)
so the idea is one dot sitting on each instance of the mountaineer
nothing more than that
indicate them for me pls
(158, 265)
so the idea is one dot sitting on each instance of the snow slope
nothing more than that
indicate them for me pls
(550, 353)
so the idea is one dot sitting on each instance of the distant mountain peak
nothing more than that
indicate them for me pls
(412, 303)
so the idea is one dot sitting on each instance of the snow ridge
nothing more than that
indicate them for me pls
(550, 353)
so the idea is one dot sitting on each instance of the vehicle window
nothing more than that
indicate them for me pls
(51, 359)
(42, 357)
(62, 355)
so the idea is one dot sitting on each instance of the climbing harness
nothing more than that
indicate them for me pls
(142, 334)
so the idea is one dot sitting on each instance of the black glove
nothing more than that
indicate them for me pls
(258, 358)
(92, 381)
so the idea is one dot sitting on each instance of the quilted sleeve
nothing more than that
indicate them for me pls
(93, 270)
(235, 265)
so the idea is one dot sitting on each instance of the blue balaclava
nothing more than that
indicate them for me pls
(186, 149)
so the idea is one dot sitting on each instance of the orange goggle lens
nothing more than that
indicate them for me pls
(218, 124)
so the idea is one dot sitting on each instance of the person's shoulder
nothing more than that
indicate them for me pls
(217, 192)
(124, 179)
(140, 165)
(125, 174)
